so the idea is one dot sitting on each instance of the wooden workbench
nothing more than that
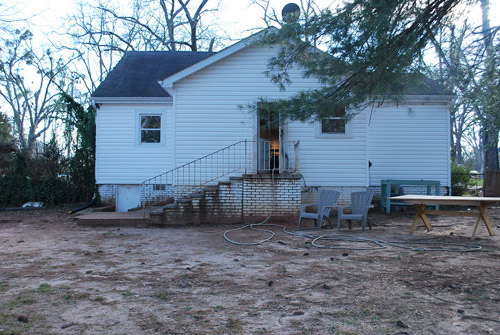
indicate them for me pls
(421, 201)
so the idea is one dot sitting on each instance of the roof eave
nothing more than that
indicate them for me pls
(123, 100)
(416, 98)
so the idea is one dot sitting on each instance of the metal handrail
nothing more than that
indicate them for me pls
(243, 156)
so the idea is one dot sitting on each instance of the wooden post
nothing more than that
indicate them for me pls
(297, 156)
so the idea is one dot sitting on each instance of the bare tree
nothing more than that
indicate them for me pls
(489, 82)
(100, 33)
(9, 14)
(29, 85)
(457, 71)
(473, 152)
(467, 68)
(96, 50)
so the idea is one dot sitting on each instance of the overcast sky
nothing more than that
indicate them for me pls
(237, 15)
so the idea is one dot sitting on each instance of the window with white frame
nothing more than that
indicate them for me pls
(150, 128)
(337, 124)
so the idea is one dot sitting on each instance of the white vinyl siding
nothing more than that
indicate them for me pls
(409, 142)
(210, 111)
(120, 157)
(338, 160)
(212, 105)
(209, 103)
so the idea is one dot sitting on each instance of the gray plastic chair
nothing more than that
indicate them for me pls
(326, 201)
(360, 203)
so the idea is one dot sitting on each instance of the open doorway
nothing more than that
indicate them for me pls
(268, 142)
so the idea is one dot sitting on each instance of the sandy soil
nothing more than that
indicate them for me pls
(59, 278)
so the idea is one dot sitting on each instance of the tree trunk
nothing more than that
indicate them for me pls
(489, 133)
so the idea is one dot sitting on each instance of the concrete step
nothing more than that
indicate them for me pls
(113, 219)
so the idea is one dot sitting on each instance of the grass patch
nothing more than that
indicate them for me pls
(234, 325)
(162, 296)
(67, 297)
(197, 316)
(45, 289)
(10, 326)
(129, 294)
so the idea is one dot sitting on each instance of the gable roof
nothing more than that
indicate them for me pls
(152, 74)
(169, 80)
(138, 72)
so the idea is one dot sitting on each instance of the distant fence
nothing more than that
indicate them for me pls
(491, 184)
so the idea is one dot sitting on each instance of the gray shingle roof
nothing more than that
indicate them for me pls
(420, 85)
(138, 72)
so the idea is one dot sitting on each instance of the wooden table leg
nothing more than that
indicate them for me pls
(415, 222)
(486, 219)
(420, 215)
(476, 226)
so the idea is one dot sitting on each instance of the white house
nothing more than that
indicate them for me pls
(160, 110)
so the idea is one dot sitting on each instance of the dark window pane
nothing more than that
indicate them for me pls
(333, 126)
(150, 136)
(151, 122)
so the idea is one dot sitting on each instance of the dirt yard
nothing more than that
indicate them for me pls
(60, 278)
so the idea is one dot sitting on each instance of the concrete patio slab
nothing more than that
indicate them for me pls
(115, 219)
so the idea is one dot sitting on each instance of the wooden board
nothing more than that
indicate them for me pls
(446, 200)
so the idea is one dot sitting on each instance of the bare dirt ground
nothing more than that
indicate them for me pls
(60, 278)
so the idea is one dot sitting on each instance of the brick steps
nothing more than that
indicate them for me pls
(242, 199)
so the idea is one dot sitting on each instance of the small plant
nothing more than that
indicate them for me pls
(460, 178)
(130, 294)
(44, 288)
(235, 325)
(162, 296)
(99, 299)
(197, 316)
